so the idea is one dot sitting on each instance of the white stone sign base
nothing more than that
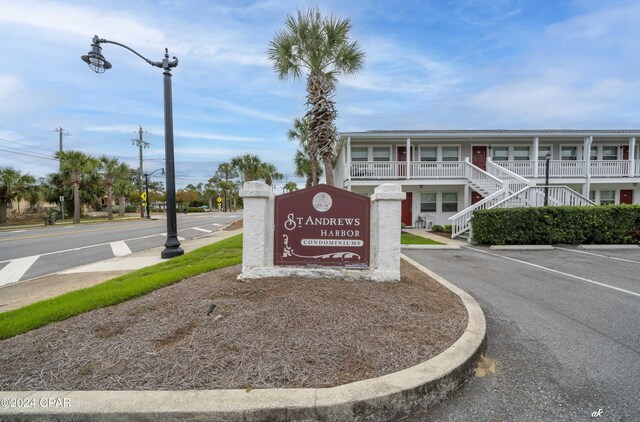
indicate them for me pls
(258, 245)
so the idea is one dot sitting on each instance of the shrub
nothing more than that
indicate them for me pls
(447, 228)
(608, 224)
(131, 208)
(195, 209)
(437, 228)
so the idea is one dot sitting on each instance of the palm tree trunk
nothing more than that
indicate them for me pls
(121, 205)
(210, 203)
(314, 172)
(76, 204)
(328, 170)
(109, 205)
(3, 211)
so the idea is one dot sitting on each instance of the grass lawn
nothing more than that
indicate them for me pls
(412, 239)
(218, 255)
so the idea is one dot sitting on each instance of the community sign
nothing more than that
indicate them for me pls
(322, 225)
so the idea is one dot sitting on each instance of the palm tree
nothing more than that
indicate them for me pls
(113, 170)
(122, 188)
(248, 165)
(14, 185)
(304, 167)
(77, 168)
(269, 173)
(291, 186)
(300, 132)
(320, 47)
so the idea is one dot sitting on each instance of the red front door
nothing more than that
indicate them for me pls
(626, 196)
(625, 152)
(406, 217)
(475, 197)
(479, 156)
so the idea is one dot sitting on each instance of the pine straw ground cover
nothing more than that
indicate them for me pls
(279, 332)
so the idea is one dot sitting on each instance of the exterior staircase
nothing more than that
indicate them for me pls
(503, 188)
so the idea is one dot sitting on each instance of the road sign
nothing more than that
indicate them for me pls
(144, 196)
(144, 204)
(219, 200)
(61, 198)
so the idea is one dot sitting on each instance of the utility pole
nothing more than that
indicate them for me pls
(141, 144)
(62, 133)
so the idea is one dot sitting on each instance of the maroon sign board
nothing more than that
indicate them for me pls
(322, 226)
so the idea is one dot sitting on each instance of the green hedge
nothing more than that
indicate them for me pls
(602, 224)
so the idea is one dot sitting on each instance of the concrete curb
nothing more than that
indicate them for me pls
(431, 247)
(608, 247)
(387, 397)
(521, 247)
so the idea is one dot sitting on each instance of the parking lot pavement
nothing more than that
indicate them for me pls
(562, 327)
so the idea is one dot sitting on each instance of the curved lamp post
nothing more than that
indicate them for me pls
(99, 64)
(146, 188)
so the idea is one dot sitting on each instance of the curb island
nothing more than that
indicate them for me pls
(377, 399)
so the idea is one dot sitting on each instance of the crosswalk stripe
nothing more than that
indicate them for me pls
(16, 268)
(200, 230)
(120, 248)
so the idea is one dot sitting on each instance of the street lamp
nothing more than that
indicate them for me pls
(546, 178)
(99, 64)
(146, 188)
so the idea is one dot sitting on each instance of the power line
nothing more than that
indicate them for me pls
(30, 155)
(26, 145)
(21, 150)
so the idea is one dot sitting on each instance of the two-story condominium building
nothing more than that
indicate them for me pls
(447, 174)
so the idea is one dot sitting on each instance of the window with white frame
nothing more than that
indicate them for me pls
(569, 153)
(359, 153)
(427, 202)
(449, 202)
(543, 150)
(500, 153)
(428, 154)
(449, 153)
(607, 197)
(521, 153)
(593, 155)
(381, 154)
(609, 153)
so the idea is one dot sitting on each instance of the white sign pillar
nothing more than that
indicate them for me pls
(385, 232)
(257, 241)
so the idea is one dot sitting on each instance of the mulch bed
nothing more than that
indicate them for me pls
(271, 333)
(235, 225)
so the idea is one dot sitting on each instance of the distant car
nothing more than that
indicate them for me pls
(204, 207)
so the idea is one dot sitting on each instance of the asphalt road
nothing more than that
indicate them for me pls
(563, 327)
(25, 254)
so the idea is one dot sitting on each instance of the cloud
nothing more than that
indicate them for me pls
(251, 112)
(80, 21)
(9, 84)
(159, 131)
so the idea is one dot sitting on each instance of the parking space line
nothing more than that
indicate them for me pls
(16, 269)
(558, 272)
(596, 254)
(200, 230)
(120, 248)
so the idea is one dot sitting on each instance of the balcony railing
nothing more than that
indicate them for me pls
(398, 170)
(614, 168)
(437, 169)
(573, 168)
(523, 168)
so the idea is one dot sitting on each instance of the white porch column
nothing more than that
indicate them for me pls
(348, 169)
(586, 156)
(632, 155)
(385, 232)
(467, 196)
(408, 158)
(257, 243)
(536, 146)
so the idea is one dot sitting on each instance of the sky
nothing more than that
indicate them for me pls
(446, 64)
